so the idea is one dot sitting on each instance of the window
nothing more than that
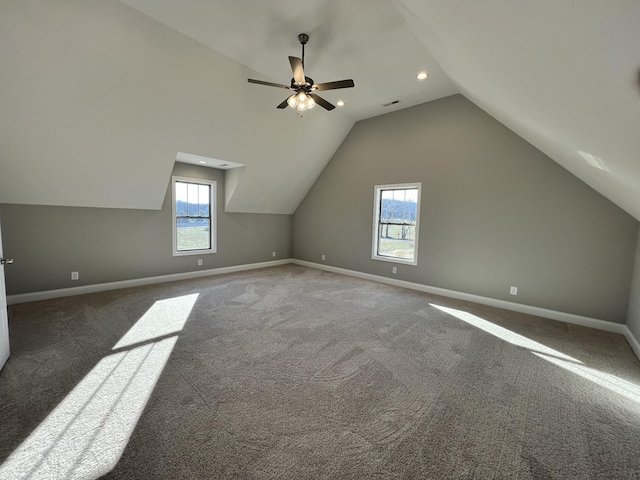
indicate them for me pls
(396, 213)
(194, 220)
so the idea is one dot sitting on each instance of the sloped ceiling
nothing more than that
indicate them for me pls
(97, 98)
(564, 75)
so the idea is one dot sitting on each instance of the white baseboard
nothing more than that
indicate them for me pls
(516, 307)
(633, 341)
(137, 282)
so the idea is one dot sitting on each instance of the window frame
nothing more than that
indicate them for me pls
(213, 217)
(377, 210)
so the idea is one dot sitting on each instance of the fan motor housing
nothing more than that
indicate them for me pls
(306, 87)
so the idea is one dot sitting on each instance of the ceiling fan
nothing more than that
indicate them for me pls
(304, 97)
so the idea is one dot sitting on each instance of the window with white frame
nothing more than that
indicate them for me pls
(194, 219)
(396, 213)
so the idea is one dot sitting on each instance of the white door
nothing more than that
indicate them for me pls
(4, 321)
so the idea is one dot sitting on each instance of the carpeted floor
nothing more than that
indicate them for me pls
(295, 373)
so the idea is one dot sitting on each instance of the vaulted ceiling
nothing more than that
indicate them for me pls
(98, 98)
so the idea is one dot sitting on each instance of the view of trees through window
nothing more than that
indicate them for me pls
(193, 216)
(397, 223)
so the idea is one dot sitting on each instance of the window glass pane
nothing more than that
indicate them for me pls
(193, 234)
(192, 198)
(203, 200)
(397, 241)
(386, 205)
(398, 206)
(181, 198)
(407, 202)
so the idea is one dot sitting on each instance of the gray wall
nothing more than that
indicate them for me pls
(92, 89)
(633, 317)
(495, 212)
(106, 245)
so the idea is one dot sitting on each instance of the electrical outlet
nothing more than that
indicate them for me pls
(199, 262)
(75, 275)
(394, 270)
(273, 254)
(323, 257)
(513, 291)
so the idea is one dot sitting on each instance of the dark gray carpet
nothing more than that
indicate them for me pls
(291, 372)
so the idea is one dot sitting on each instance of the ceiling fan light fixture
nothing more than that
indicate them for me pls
(301, 101)
(340, 103)
(304, 96)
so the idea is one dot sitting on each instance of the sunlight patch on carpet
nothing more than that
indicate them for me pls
(504, 334)
(86, 434)
(163, 318)
(606, 380)
(570, 364)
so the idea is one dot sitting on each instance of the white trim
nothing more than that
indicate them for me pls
(516, 307)
(136, 282)
(213, 212)
(633, 341)
(377, 201)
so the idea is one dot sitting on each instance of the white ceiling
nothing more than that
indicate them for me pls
(562, 74)
(365, 40)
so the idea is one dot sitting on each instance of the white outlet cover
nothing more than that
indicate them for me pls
(394, 270)
(513, 290)
(323, 257)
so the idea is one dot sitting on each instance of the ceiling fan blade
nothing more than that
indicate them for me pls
(269, 84)
(322, 102)
(284, 104)
(298, 70)
(333, 85)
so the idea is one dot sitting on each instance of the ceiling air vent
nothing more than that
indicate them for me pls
(390, 103)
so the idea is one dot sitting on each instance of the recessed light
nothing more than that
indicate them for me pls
(202, 161)
(340, 103)
(422, 75)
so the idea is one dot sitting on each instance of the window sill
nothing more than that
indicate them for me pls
(395, 260)
(193, 252)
